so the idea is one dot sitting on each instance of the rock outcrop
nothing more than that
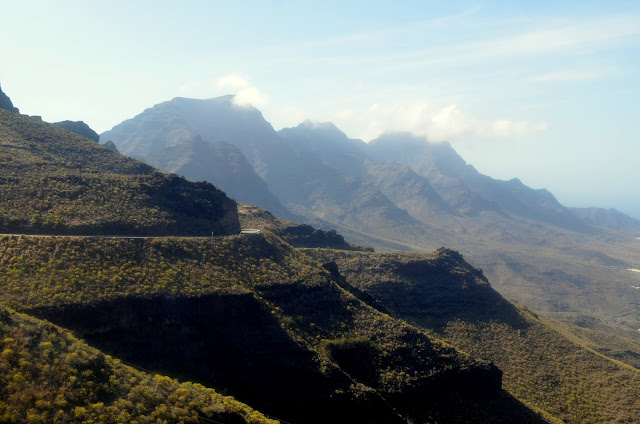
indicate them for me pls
(5, 103)
(79, 127)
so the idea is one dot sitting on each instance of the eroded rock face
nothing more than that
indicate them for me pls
(5, 103)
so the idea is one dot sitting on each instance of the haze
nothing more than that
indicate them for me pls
(545, 92)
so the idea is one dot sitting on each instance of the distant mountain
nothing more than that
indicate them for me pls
(221, 164)
(329, 144)
(608, 218)
(299, 179)
(463, 185)
(80, 128)
(399, 183)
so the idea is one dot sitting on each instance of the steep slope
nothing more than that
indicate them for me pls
(440, 163)
(329, 144)
(221, 164)
(246, 314)
(541, 366)
(55, 181)
(400, 184)
(166, 125)
(47, 375)
(534, 249)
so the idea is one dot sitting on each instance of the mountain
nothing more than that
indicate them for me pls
(169, 123)
(221, 164)
(464, 185)
(321, 194)
(80, 128)
(57, 182)
(399, 183)
(329, 144)
(534, 249)
(608, 218)
(308, 335)
(402, 192)
(240, 313)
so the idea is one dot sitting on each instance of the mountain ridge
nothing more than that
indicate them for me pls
(422, 197)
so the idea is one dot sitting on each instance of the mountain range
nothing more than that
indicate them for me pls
(292, 321)
(401, 192)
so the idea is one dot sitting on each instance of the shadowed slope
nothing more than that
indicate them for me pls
(542, 367)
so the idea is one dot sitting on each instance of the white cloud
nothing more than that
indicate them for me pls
(437, 123)
(576, 38)
(250, 96)
(569, 75)
(245, 93)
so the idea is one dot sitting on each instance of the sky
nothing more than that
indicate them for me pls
(545, 91)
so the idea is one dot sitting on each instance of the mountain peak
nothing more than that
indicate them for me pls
(5, 103)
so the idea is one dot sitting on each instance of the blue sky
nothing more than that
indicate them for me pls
(545, 91)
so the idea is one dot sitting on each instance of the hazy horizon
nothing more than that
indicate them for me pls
(547, 93)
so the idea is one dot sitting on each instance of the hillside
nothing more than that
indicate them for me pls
(544, 367)
(47, 375)
(244, 313)
(221, 164)
(57, 182)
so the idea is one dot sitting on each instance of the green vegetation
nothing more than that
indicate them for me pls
(542, 367)
(333, 353)
(57, 182)
(49, 376)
